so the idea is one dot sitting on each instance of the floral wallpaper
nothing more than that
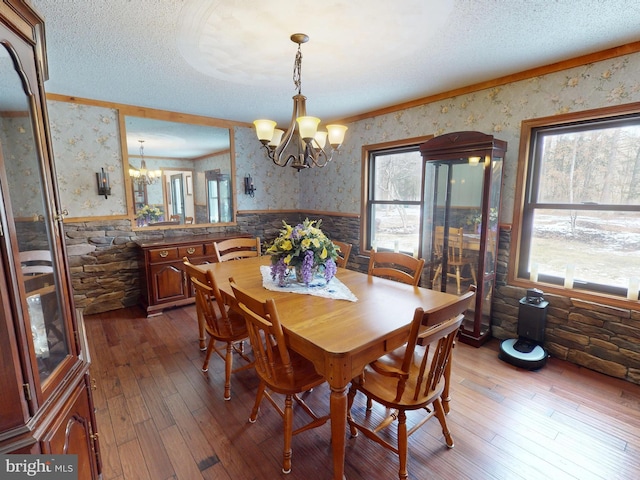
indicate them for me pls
(86, 138)
(21, 164)
(497, 111)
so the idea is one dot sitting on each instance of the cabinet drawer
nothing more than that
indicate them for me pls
(191, 251)
(163, 254)
(209, 249)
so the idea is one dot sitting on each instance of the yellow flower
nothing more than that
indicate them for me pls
(316, 242)
(286, 245)
(287, 259)
(306, 242)
(323, 255)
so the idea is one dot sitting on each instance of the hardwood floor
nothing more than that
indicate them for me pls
(160, 417)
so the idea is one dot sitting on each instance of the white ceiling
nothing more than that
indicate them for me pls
(233, 59)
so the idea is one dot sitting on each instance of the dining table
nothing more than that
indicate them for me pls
(340, 337)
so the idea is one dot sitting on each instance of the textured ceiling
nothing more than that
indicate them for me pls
(233, 59)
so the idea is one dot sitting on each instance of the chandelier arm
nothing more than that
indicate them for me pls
(316, 154)
(299, 110)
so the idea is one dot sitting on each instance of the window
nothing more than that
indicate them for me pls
(392, 200)
(579, 226)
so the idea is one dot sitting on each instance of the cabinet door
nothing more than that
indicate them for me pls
(72, 433)
(31, 240)
(168, 282)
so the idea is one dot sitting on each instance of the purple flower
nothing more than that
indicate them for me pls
(307, 267)
(330, 269)
(279, 271)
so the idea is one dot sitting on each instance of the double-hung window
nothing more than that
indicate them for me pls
(392, 203)
(579, 214)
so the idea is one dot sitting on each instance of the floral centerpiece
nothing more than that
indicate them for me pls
(303, 249)
(149, 213)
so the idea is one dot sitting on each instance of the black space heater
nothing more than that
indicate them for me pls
(526, 351)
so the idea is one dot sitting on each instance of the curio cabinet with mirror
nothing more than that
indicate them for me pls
(463, 180)
(46, 401)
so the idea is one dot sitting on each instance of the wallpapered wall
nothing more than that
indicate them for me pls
(87, 138)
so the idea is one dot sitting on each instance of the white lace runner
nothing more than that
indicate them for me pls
(318, 286)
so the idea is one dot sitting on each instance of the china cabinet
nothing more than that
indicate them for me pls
(46, 400)
(463, 179)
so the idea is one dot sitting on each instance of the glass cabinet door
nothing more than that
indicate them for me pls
(29, 239)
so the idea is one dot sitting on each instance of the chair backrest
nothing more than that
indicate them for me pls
(192, 271)
(397, 266)
(237, 248)
(188, 220)
(343, 254)
(456, 242)
(34, 262)
(435, 330)
(207, 299)
(273, 362)
(175, 218)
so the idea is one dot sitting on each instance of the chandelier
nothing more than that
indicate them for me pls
(143, 176)
(311, 142)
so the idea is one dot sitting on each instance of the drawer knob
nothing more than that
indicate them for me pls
(191, 250)
(164, 253)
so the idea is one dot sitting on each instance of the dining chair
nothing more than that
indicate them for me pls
(34, 262)
(223, 324)
(411, 378)
(280, 369)
(343, 254)
(396, 266)
(457, 259)
(235, 248)
(192, 272)
(188, 220)
(175, 218)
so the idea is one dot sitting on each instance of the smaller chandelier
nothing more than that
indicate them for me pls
(311, 142)
(143, 176)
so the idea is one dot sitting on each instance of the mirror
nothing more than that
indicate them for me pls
(171, 165)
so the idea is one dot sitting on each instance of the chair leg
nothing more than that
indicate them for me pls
(288, 429)
(228, 365)
(446, 397)
(439, 412)
(207, 357)
(350, 396)
(458, 279)
(402, 445)
(256, 405)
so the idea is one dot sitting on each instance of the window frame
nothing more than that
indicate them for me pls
(524, 208)
(368, 190)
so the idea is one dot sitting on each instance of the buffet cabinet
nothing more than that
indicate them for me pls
(164, 282)
(46, 404)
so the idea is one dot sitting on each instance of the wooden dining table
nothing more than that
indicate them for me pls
(340, 337)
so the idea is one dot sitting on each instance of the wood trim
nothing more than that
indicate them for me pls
(138, 111)
(308, 212)
(101, 218)
(614, 52)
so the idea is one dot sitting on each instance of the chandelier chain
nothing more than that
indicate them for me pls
(297, 71)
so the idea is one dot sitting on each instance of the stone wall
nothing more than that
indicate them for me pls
(105, 271)
(601, 338)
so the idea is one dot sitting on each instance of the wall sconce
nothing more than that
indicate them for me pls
(249, 189)
(103, 183)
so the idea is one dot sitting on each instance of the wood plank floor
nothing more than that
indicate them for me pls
(160, 417)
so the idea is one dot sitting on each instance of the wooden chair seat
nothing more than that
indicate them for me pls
(411, 378)
(456, 257)
(281, 370)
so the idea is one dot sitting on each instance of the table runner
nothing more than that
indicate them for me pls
(319, 287)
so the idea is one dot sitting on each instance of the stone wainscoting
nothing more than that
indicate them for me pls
(105, 271)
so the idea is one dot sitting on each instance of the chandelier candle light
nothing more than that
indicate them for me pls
(144, 176)
(311, 143)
